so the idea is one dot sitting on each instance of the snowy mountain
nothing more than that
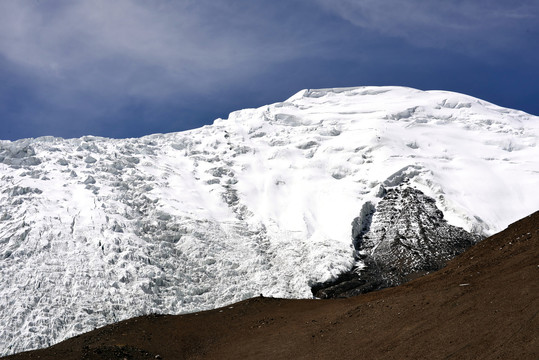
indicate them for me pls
(269, 201)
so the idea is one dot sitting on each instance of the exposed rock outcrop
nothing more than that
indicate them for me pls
(403, 237)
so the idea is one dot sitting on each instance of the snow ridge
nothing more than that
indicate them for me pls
(96, 230)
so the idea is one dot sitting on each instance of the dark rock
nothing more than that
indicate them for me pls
(403, 237)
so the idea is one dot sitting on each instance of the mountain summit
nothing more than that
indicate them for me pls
(270, 201)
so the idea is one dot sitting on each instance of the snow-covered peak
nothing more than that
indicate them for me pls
(370, 133)
(261, 202)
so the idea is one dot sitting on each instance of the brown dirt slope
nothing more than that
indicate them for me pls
(483, 305)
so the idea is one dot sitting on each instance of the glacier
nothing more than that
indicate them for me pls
(96, 230)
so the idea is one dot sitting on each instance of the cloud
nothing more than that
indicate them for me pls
(158, 49)
(141, 48)
(474, 27)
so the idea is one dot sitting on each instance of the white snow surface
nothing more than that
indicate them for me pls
(99, 230)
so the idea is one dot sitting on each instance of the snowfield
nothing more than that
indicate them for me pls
(97, 230)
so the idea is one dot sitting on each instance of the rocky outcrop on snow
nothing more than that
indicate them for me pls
(404, 236)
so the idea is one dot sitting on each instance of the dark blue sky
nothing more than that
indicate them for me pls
(128, 68)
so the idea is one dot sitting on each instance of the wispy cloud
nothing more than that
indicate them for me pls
(473, 27)
(176, 42)
(151, 49)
